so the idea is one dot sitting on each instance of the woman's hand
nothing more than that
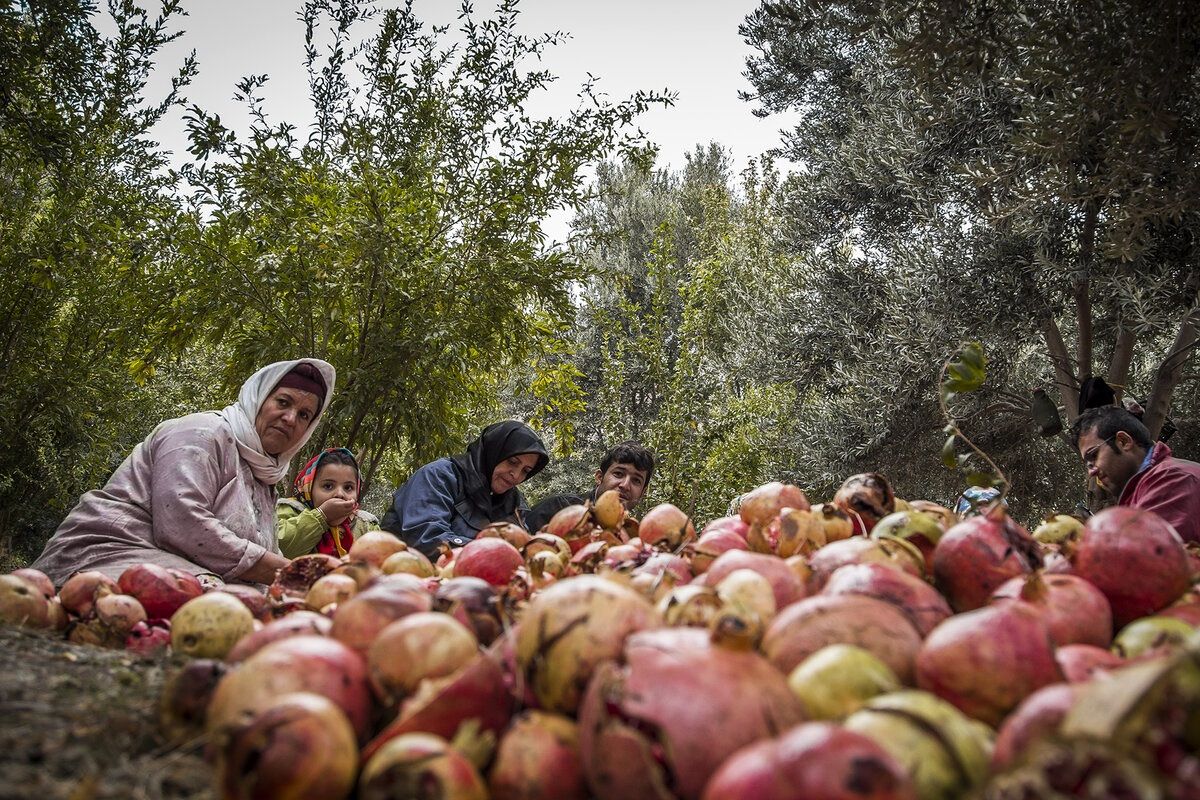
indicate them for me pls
(264, 570)
(335, 511)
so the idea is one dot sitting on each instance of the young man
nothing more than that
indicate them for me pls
(626, 468)
(1119, 454)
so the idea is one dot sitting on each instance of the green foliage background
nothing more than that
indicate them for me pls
(782, 323)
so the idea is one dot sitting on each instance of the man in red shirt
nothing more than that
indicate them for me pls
(1119, 453)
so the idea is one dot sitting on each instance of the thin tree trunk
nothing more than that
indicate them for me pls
(1064, 375)
(1082, 288)
(1118, 366)
(1169, 372)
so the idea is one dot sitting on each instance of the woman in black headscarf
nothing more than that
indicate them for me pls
(450, 500)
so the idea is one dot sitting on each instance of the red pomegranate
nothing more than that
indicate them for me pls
(149, 639)
(294, 580)
(492, 559)
(1135, 558)
(980, 553)
(1074, 610)
(1038, 714)
(160, 591)
(420, 765)
(874, 625)
(476, 692)
(665, 527)
(735, 524)
(786, 585)
(764, 503)
(538, 757)
(1188, 612)
(812, 760)
(253, 599)
(987, 661)
(298, 623)
(300, 664)
(299, 746)
(711, 545)
(919, 601)
(416, 648)
(360, 619)
(374, 547)
(569, 523)
(896, 553)
(642, 729)
(1082, 662)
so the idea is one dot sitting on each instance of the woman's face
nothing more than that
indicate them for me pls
(512, 471)
(284, 417)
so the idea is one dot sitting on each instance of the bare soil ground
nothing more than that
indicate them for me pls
(79, 723)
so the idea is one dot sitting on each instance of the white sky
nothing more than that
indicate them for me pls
(691, 47)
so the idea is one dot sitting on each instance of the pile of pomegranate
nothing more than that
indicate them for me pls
(866, 647)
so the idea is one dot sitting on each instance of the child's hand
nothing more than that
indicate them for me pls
(336, 510)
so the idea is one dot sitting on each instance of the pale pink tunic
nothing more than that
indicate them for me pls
(183, 498)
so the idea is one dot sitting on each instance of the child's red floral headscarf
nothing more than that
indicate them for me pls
(337, 540)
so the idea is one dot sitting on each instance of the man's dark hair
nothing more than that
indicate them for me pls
(629, 452)
(1108, 421)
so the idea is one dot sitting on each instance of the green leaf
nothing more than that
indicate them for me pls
(949, 455)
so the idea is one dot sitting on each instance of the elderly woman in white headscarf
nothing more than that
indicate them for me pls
(199, 493)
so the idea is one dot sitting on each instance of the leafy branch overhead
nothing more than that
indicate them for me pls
(964, 373)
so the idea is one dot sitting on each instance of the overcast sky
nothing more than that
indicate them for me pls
(691, 47)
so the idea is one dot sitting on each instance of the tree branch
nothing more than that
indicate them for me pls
(1169, 372)
(1082, 287)
(1118, 366)
(1064, 375)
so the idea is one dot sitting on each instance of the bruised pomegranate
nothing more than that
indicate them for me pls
(569, 523)
(420, 765)
(210, 625)
(874, 625)
(253, 599)
(493, 559)
(328, 589)
(538, 757)
(812, 760)
(569, 628)
(979, 554)
(22, 603)
(837, 523)
(987, 661)
(1135, 559)
(867, 498)
(473, 602)
(294, 580)
(412, 562)
(515, 535)
(300, 746)
(78, 594)
(119, 612)
(764, 503)
(186, 694)
(918, 527)
(1074, 610)
(920, 602)
(38, 579)
(160, 591)
(665, 527)
(642, 731)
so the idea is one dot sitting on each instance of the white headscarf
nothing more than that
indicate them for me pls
(241, 415)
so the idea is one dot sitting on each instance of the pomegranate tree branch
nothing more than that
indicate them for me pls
(1122, 356)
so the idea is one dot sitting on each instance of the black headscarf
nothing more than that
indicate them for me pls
(498, 441)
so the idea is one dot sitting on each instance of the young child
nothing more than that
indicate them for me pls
(324, 516)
